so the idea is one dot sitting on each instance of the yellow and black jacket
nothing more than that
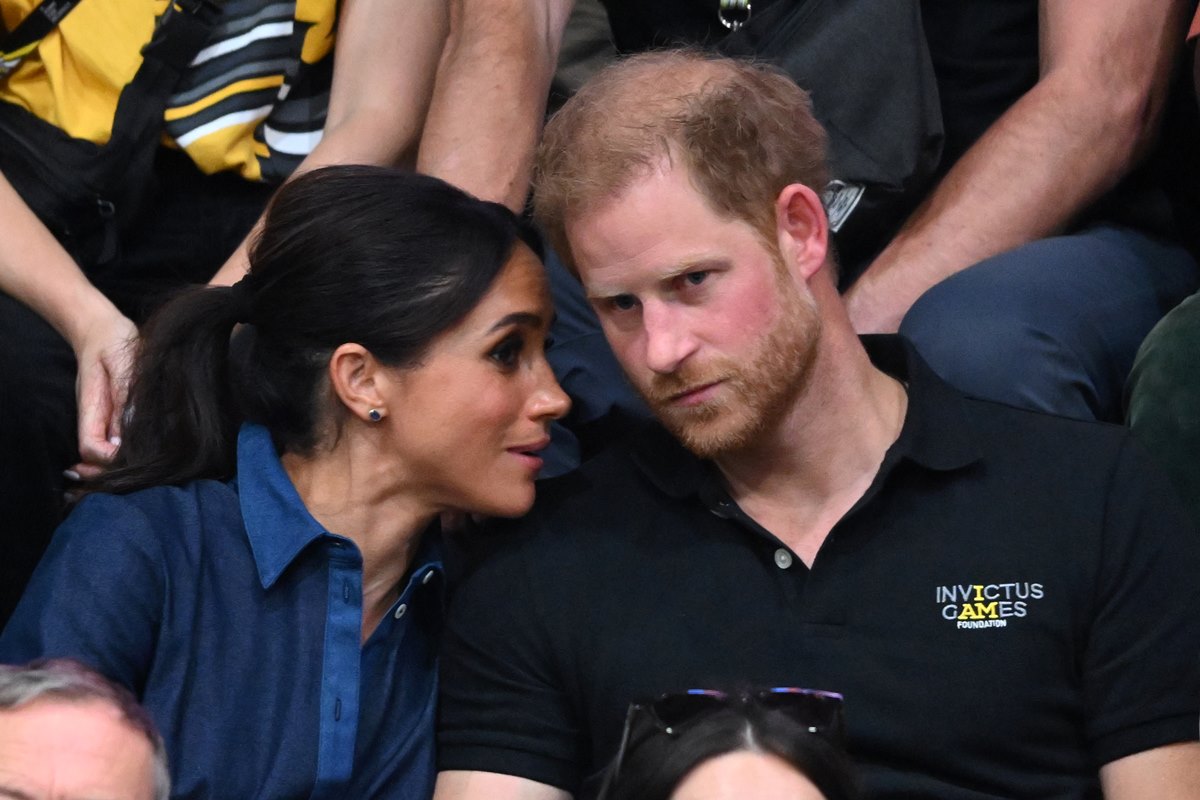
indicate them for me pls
(253, 100)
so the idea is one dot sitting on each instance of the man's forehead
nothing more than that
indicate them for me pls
(85, 746)
(656, 228)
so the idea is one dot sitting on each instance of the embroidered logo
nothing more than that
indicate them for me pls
(990, 605)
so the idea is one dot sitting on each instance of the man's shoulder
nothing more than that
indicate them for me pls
(1023, 434)
(593, 506)
(1055, 465)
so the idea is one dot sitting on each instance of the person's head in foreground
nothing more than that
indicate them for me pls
(778, 744)
(66, 733)
(390, 321)
(683, 189)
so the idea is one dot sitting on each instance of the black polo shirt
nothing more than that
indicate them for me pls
(1013, 603)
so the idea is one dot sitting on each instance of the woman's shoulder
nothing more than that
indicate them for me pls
(157, 515)
(103, 589)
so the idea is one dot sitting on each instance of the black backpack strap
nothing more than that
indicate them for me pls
(181, 33)
(19, 42)
(127, 162)
(85, 193)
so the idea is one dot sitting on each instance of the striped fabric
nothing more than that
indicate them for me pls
(256, 96)
(253, 101)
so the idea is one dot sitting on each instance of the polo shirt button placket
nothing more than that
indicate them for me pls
(783, 559)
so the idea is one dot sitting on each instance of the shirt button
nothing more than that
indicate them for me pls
(428, 577)
(400, 609)
(783, 559)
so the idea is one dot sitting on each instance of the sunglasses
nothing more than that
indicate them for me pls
(817, 711)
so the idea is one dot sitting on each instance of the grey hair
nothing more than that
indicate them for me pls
(72, 682)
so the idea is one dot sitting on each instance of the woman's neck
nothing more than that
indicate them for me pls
(352, 494)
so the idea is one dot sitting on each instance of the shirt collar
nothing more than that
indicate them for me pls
(277, 523)
(936, 433)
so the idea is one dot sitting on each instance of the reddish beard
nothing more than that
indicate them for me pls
(752, 394)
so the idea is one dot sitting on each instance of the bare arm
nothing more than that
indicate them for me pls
(1165, 773)
(36, 270)
(490, 96)
(1105, 70)
(384, 64)
(460, 785)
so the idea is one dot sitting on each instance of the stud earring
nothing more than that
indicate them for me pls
(375, 415)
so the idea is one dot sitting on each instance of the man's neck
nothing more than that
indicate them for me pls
(803, 475)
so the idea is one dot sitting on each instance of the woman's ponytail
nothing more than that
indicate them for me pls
(181, 422)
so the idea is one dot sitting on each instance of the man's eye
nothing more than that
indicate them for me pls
(623, 302)
(508, 352)
(696, 278)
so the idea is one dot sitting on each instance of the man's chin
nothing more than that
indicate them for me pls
(713, 438)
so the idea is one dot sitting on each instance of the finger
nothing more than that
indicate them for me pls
(119, 368)
(82, 472)
(95, 409)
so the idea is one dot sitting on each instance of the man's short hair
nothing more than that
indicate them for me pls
(69, 681)
(743, 130)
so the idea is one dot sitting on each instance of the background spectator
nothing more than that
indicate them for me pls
(269, 94)
(704, 745)
(1164, 385)
(65, 731)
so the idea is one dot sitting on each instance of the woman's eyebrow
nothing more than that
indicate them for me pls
(517, 318)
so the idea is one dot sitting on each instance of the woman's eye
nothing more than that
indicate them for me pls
(508, 352)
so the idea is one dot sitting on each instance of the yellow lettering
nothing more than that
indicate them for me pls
(978, 591)
(986, 610)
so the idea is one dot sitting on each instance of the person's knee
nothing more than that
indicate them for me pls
(992, 340)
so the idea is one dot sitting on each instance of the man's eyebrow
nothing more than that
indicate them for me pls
(602, 293)
(517, 318)
(692, 265)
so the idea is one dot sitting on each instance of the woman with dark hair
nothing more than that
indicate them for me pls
(777, 744)
(262, 565)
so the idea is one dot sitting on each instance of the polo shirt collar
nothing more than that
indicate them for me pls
(277, 523)
(936, 433)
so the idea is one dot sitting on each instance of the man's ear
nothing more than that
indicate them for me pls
(358, 381)
(802, 229)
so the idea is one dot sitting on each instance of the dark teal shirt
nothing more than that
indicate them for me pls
(235, 618)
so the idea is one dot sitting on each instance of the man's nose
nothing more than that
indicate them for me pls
(668, 340)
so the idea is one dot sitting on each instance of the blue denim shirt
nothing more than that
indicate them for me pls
(235, 618)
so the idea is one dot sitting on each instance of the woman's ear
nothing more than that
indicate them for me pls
(802, 230)
(359, 382)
